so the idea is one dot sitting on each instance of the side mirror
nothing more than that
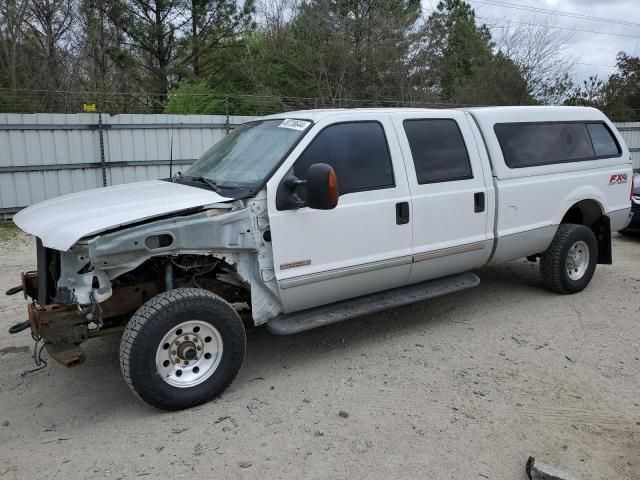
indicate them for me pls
(322, 187)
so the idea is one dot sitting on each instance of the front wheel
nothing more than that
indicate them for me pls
(182, 348)
(570, 261)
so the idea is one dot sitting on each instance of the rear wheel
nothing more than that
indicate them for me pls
(570, 261)
(182, 348)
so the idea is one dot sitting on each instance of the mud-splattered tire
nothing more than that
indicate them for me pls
(570, 261)
(182, 348)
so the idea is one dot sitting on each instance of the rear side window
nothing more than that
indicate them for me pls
(534, 144)
(357, 151)
(530, 144)
(438, 150)
(603, 142)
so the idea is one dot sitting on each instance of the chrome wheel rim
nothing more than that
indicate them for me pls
(189, 354)
(577, 260)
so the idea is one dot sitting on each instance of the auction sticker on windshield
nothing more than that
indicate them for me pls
(294, 124)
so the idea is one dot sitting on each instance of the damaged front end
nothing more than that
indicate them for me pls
(95, 286)
(67, 309)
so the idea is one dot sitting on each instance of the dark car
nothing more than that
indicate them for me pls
(634, 226)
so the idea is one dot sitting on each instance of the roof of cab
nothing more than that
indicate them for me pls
(316, 115)
(501, 114)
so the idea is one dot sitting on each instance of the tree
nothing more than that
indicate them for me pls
(622, 91)
(214, 24)
(589, 94)
(458, 46)
(150, 38)
(13, 14)
(301, 54)
(336, 49)
(460, 62)
(495, 82)
(36, 52)
(540, 53)
(619, 96)
(50, 24)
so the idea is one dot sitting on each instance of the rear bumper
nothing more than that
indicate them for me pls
(619, 218)
(634, 222)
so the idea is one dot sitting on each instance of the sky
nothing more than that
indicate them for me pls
(594, 50)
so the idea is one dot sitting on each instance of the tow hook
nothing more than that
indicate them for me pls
(14, 290)
(19, 327)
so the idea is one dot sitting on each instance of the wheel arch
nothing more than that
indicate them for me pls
(584, 212)
(591, 213)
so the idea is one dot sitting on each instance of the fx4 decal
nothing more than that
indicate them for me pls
(618, 178)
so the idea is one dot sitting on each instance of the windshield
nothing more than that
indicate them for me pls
(248, 154)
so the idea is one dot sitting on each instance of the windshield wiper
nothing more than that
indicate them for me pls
(210, 183)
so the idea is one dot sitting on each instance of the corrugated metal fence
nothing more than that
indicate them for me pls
(47, 155)
(631, 133)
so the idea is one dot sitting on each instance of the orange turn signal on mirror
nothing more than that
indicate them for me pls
(332, 191)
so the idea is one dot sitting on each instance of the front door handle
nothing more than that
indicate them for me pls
(478, 202)
(402, 213)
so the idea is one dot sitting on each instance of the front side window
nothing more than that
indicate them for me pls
(249, 154)
(534, 144)
(357, 151)
(438, 150)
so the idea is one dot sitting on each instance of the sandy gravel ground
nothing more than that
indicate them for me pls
(462, 387)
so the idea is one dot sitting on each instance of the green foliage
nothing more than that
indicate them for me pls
(368, 51)
(194, 98)
(460, 47)
(619, 96)
(622, 91)
(200, 98)
(214, 24)
(150, 31)
(12, 102)
(463, 63)
(210, 56)
(589, 94)
(335, 49)
(8, 230)
(494, 82)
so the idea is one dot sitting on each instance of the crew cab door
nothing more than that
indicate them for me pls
(361, 246)
(452, 194)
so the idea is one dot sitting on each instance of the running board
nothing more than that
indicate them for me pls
(297, 322)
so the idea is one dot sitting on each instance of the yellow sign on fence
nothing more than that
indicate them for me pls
(89, 107)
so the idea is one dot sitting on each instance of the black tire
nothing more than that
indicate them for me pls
(553, 263)
(158, 317)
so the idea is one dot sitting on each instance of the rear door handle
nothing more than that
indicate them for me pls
(478, 202)
(402, 213)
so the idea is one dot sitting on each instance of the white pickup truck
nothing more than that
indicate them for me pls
(312, 217)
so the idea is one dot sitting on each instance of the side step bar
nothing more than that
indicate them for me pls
(296, 322)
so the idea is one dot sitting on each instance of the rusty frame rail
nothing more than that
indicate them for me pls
(64, 327)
